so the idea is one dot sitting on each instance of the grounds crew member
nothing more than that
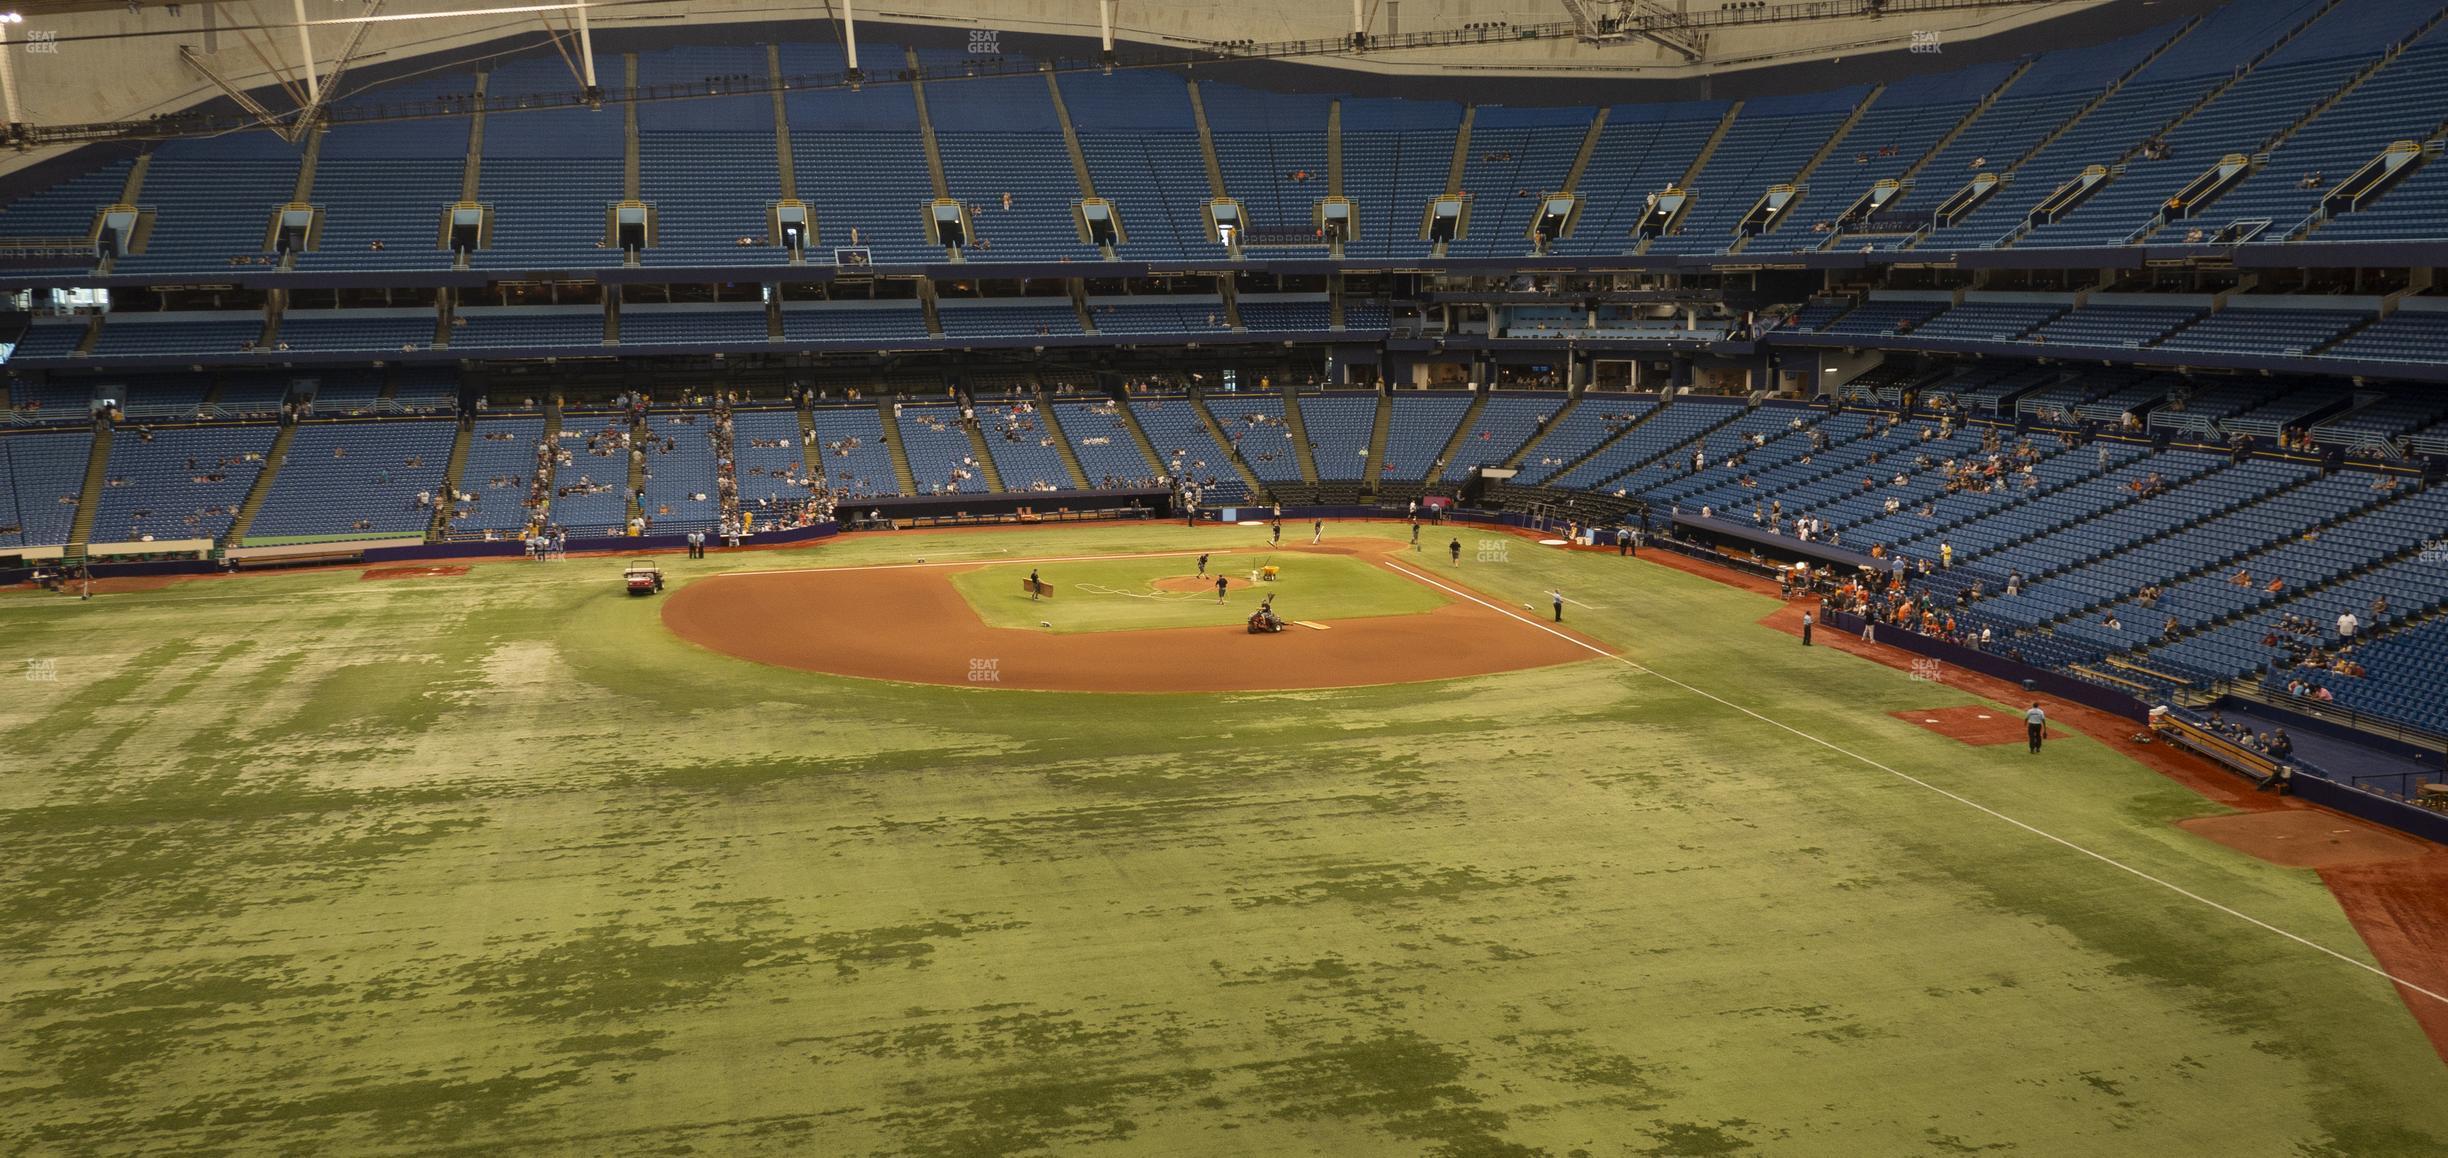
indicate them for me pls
(1456, 548)
(2035, 726)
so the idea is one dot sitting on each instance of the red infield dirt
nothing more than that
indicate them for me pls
(924, 632)
(1976, 725)
(2304, 838)
(442, 572)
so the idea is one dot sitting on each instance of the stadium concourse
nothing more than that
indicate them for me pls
(2102, 360)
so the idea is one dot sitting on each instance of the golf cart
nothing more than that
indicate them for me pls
(643, 577)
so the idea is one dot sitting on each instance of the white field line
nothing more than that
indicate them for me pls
(1967, 802)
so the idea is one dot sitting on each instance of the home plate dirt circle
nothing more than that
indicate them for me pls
(910, 625)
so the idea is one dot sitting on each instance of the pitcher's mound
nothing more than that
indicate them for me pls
(1185, 584)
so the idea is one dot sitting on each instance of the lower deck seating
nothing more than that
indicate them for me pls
(40, 478)
(356, 479)
(178, 482)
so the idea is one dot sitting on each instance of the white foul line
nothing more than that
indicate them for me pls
(1967, 802)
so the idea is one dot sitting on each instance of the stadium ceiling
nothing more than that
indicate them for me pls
(278, 64)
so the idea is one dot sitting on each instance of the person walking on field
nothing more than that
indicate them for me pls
(1032, 585)
(1558, 596)
(1456, 548)
(1317, 531)
(1275, 538)
(1220, 582)
(2035, 726)
(1202, 566)
(1806, 628)
(1415, 535)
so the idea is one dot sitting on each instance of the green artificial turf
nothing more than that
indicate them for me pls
(493, 864)
(1121, 595)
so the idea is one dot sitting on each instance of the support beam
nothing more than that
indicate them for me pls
(850, 37)
(1104, 30)
(8, 70)
(586, 58)
(314, 83)
(253, 107)
(331, 83)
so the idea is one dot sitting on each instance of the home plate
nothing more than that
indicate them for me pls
(1313, 625)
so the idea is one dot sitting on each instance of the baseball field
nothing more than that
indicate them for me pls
(503, 860)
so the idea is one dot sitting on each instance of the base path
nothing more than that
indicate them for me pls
(909, 624)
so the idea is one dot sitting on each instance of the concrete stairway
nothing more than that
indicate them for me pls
(89, 497)
(273, 458)
(1062, 441)
(902, 474)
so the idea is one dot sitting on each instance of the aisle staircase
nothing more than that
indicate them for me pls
(452, 474)
(1521, 454)
(1372, 466)
(1453, 442)
(1206, 136)
(811, 455)
(273, 458)
(1965, 123)
(1157, 467)
(984, 455)
(1232, 452)
(1663, 404)
(902, 474)
(89, 497)
(1302, 452)
(637, 466)
(1062, 441)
